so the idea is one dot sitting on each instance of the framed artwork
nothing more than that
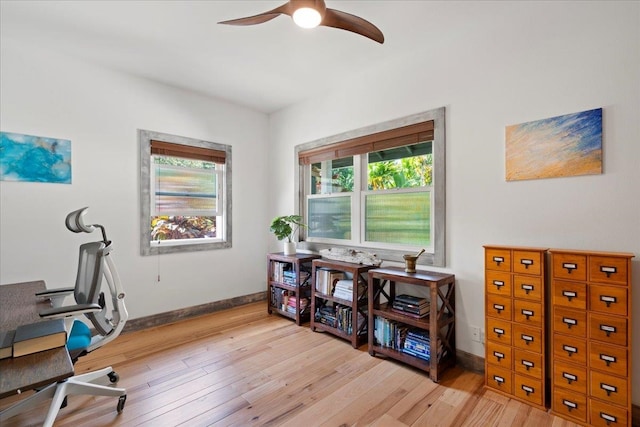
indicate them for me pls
(568, 145)
(31, 158)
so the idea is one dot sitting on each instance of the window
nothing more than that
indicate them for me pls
(185, 197)
(379, 189)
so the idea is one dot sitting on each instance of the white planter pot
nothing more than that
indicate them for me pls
(289, 248)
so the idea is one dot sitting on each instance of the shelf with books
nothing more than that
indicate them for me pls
(344, 315)
(416, 335)
(289, 285)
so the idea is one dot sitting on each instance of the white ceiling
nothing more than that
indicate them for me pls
(265, 67)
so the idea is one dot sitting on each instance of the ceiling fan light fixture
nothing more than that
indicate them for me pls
(307, 17)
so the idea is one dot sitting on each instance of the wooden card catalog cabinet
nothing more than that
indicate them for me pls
(591, 335)
(515, 322)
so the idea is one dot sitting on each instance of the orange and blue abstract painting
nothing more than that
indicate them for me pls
(31, 158)
(567, 145)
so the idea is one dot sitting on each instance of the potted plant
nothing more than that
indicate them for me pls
(284, 228)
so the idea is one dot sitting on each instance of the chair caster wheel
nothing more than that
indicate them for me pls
(121, 400)
(113, 377)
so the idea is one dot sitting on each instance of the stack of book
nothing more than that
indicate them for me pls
(33, 338)
(411, 306)
(326, 316)
(291, 304)
(417, 343)
(344, 289)
(289, 277)
(326, 280)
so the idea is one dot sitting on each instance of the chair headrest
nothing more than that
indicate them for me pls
(75, 221)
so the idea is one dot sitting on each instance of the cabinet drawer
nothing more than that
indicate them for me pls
(570, 322)
(527, 287)
(498, 283)
(570, 266)
(499, 331)
(527, 262)
(500, 355)
(527, 338)
(571, 349)
(609, 329)
(609, 388)
(570, 377)
(500, 379)
(528, 389)
(609, 359)
(602, 414)
(570, 404)
(608, 299)
(528, 363)
(608, 270)
(499, 307)
(497, 259)
(570, 294)
(528, 313)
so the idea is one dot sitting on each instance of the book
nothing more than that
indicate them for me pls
(6, 344)
(410, 299)
(39, 336)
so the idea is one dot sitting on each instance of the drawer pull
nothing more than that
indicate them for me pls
(608, 418)
(569, 321)
(498, 331)
(498, 260)
(608, 329)
(528, 364)
(570, 350)
(569, 404)
(608, 300)
(526, 263)
(609, 388)
(527, 338)
(569, 294)
(569, 266)
(527, 389)
(608, 359)
(498, 283)
(498, 307)
(498, 355)
(498, 379)
(569, 377)
(527, 288)
(608, 270)
(526, 313)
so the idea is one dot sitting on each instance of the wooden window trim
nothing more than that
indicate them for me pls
(398, 137)
(188, 152)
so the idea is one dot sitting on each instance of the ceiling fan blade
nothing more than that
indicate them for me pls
(355, 24)
(261, 17)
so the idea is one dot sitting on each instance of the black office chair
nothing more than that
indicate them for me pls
(94, 263)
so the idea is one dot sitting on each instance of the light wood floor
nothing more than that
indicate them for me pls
(242, 367)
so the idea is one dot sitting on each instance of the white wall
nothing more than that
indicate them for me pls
(100, 111)
(520, 61)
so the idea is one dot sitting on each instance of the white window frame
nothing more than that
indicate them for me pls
(435, 255)
(223, 219)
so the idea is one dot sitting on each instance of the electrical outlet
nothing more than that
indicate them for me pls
(475, 334)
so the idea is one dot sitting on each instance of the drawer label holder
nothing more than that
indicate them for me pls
(569, 377)
(569, 404)
(526, 313)
(569, 322)
(608, 388)
(498, 259)
(527, 364)
(608, 329)
(570, 350)
(608, 270)
(498, 307)
(498, 283)
(527, 288)
(527, 389)
(608, 300)
(526, 263)
(608, 418)
(569, 266)
(608, 359)
(527, 338)
(569, 294)
(498, 355)
(498, 379)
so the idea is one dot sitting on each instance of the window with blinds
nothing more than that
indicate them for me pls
(183, 187)
(378, 190)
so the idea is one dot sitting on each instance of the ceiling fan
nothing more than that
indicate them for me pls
(310, 14)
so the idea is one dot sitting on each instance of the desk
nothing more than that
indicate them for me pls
(18, 306)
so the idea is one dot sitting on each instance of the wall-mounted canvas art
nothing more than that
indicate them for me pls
(34, 158)
(566, 145)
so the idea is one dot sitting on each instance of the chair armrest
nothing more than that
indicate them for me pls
(70, 310)
(55, 292)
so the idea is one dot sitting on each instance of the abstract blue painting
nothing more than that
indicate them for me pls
(34, 158)
(566, 145)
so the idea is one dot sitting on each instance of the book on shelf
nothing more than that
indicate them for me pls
(326, 280)
(6, 344)
(39, 336)
(344, 289)
(410, 299)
